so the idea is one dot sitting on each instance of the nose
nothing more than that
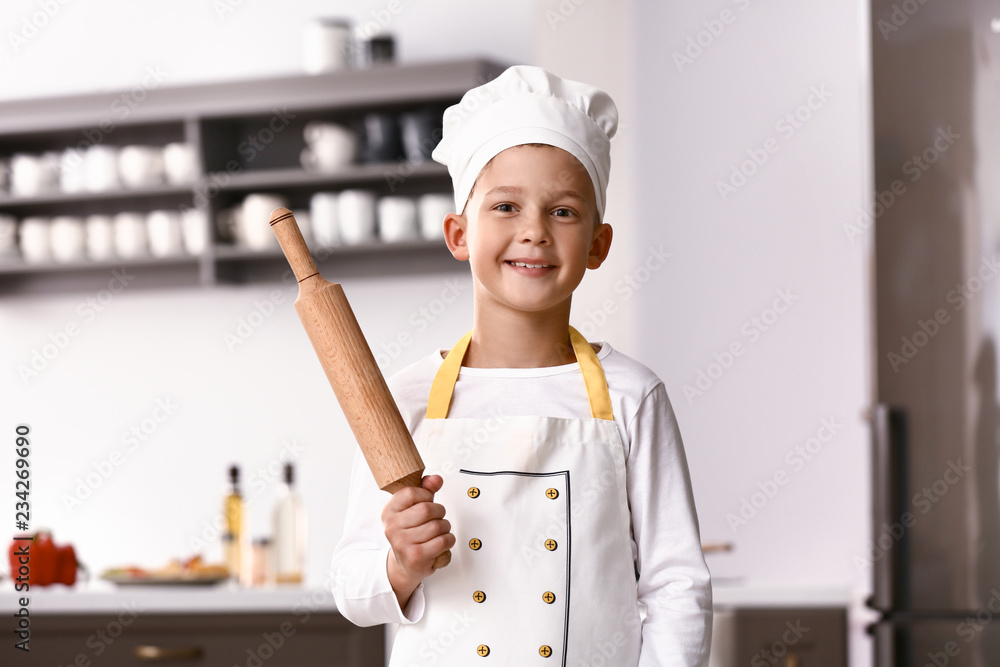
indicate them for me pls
(534, 228)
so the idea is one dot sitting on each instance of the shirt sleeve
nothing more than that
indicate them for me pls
(674, 584)
(360, 580)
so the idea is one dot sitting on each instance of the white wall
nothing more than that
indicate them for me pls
(782, 230)
(107, 44)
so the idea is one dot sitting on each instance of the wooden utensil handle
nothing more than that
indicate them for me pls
(351, 368)
(292, 244)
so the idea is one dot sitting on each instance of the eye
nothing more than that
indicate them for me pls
(504, 207)
(563, 212)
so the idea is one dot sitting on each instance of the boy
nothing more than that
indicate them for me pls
(570, 516)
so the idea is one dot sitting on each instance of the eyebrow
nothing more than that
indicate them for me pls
(510, 190)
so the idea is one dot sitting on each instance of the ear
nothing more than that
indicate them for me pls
(600, 245)
(454, 236)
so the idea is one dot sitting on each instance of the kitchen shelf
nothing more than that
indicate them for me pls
(60, 198)
(20, 266)
(282, 178)
(215, 118)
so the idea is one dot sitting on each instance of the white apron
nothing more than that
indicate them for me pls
(542, 572)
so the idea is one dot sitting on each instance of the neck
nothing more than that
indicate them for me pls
(514, 339)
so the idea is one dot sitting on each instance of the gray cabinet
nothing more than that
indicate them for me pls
(779, 637)
(293, 639)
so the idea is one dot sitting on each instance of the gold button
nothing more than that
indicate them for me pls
(551, 544)
(483, 650)
(552, 494)
(479, 596)
(548, 597)
(473, 492)
(545, 651)
(475, 544)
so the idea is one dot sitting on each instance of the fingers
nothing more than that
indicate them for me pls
(417, 529)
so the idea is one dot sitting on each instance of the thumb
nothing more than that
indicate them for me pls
(432, 483)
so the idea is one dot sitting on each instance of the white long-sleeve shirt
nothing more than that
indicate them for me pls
(674, 586)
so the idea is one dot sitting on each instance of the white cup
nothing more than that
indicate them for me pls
(397, 219)
(8, 236)
(326, 45)
(180, 163)
(130, 235)
(330, 147)
(67, 238)
(254, 219)
(100, 233)
(140, 166)
(32, 175)
(101, 163)
(72, 172)
(164, 232)
(35, 247)
(194, 230)
(323, 211)
(356, 216)
(433, 208)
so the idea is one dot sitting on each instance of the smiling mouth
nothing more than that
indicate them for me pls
(531, 266)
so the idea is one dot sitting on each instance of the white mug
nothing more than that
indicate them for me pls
(397, 219)
(100, 233)
(163, 229)
(130, 235)
(433, 208)
(101, 164)
(180, 163)
(140, 166)
(66, 238)
(326, 45)
(330, 147)
(194, 229)
(35, 247)
(33, 174)
(8, 235)
(255, 215)
(356, 216)
(323, 211)
(72, 172)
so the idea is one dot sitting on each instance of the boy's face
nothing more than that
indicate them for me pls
(531, 205)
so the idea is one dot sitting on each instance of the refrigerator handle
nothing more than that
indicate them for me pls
(888, 475)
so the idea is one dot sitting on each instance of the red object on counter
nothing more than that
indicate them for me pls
(47, 563)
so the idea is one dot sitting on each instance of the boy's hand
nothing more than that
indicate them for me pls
(418, 533)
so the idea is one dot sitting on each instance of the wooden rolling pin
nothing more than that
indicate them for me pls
(351, 368)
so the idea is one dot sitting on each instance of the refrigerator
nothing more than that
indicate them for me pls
(934, 553)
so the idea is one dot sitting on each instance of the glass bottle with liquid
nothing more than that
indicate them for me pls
(235, 540)
(290, 525)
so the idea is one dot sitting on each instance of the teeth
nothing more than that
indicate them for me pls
(531, 266)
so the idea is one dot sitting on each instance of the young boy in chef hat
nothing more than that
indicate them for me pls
(570, 517)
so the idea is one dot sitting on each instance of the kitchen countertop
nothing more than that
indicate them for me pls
(103, 597)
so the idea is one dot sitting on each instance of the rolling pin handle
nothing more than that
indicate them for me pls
(290, 239)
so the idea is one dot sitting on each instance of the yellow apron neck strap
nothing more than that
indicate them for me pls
(593, 377)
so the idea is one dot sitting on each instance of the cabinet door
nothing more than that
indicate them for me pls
(791, 637)
(204, 640)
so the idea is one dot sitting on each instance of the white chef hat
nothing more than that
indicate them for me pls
(527, 105)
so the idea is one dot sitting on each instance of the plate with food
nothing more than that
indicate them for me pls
(190, 572)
